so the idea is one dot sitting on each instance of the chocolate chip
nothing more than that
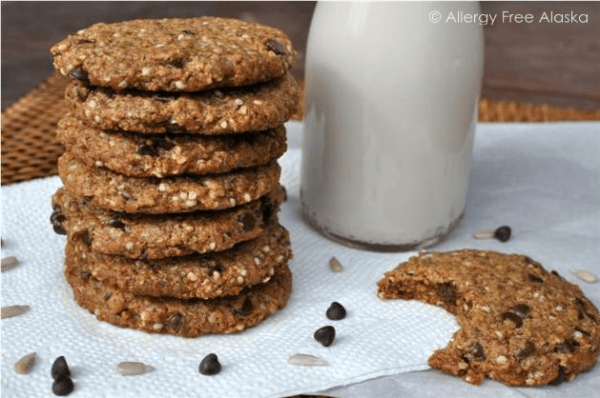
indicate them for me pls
(85, 237)
(522, 310)
(212, 265)
(246, 308)
(583, 309)
(555, 273)
(187, 32)
(447, 293)
(84, 275)
(176, 321)
(568, 346)
(325, 335)
(210, 365)
(502, 233)
(163, 143)
(267, 209)
(276, 47)
(116, 223)
(173, 128)
(153, 146)
(527, 351)
(62, 386)
(534, 278)
(248, 221)
(56, 219)
(147, 150)
(475, 352)
(511, 316)
(177, 62)
(560, 378)
(336, 311)
(80, 74)
(60, 368)
(579, 302)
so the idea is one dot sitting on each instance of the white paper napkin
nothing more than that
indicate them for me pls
(548, 190)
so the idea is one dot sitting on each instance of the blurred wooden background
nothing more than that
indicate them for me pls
(551, 63)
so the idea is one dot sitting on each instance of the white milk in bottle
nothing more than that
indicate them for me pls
(391, 97)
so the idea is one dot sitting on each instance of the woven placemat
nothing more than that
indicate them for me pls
(30, 148)
(29, 145)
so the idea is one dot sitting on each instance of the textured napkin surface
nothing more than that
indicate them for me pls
(548, 190)
(376, 338)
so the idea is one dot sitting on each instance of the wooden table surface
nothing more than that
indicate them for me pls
(539, 62)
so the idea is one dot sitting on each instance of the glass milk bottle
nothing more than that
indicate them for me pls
(391, 105)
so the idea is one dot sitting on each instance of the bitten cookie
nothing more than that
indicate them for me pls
(169, 154)
(218, 111)
(204, 276)
(519, 324)
(175, 54)
(111, 191)
(187, 318)
(163, 235)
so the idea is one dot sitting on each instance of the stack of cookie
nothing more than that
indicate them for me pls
(171, 181)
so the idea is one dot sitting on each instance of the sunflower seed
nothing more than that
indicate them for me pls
(25, 364)
(584, 275)
(9, 262)
(133, 368)
(335, 265)
(306, 360)
(501, 233)
(13, 310)
(484, 233)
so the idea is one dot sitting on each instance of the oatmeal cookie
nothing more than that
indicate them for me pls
(151, 236)
(112, 191)
(175, 54)
(519, 324)
(182, 317)
(161, 155)
(218, 111)
(205, 276)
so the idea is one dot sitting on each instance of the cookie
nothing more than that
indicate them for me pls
(190, 54)
(187, 318)
(204, 276)
(169, 154)
(519, 324)
(158, 236)
(218, 111)
(111, 191)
